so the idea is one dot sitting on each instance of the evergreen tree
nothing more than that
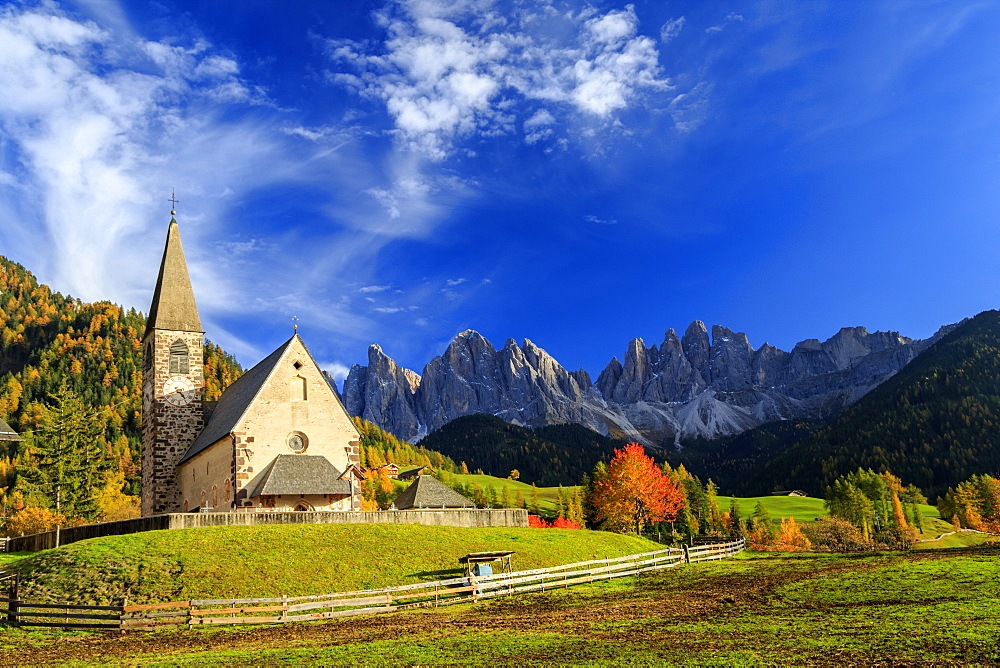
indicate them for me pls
(67, 458)
(712, 512)
(735, 521)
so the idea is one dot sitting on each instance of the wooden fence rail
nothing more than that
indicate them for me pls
(285, 609)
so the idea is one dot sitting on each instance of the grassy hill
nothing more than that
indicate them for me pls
(259, 561)
(808, 509)
(933, 424)
(547, 496)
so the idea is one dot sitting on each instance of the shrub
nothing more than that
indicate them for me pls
(834, 534)
(536, 522)
(33, 520)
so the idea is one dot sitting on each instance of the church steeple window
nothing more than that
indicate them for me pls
(179, 363)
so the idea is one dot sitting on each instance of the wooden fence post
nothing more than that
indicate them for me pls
(13, 605)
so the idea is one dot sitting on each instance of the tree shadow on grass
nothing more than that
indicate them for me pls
(445, 574)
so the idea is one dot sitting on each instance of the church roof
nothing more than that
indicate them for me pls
(429, 492)
(8, 434)
(234, 402)
(298, 474)
(173, 304)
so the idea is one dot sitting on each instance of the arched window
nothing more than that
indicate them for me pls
(179, 357)
(299, 391)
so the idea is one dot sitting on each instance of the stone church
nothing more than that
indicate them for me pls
(278, 439)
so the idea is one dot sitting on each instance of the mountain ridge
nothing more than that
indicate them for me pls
(692, 386)
(933, 424)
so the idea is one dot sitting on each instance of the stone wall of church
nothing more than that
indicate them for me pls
(206, 481)
(168, 430)
(296, 400)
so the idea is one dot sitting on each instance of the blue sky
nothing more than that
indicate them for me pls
(573, 173)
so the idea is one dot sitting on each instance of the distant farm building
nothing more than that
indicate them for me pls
(427, 492)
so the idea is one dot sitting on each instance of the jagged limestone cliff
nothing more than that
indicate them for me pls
(687, 386)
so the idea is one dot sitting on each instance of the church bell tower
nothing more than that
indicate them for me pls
(172, 379)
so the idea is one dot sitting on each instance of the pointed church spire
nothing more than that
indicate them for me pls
(173, 304)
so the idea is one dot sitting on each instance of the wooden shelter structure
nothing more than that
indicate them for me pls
(474, 559)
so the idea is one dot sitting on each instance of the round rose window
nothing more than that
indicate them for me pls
(297, 442)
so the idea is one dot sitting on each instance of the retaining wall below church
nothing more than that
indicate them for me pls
(495, 517)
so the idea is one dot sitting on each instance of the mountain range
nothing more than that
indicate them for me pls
(690, 386)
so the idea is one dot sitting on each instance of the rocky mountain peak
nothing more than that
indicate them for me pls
(688, 386)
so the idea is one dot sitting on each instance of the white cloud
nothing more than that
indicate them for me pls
(98, 123)
(452, 282)
(238, 249)
(672, 28)
(600, 221)
(447, 71)
(374, 288)
(689, 110)
(731, 17)
(338, 370)
(413, 201)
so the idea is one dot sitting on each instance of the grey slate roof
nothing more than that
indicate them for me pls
(411, 473)
(298, 474)
(173, 304)
(429, 492)
(234, 402)
(8, 434)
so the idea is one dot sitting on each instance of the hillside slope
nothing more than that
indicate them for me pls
(48, 340)
(933, 424)
(548, 456)
(299, 559)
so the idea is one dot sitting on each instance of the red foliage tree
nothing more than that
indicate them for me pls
(634, 492)
(536, 522)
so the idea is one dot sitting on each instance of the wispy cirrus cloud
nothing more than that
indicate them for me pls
(671, 29)
(98, 123)
(87, 124)
(731, 17)
(453, 70)
(600, 221)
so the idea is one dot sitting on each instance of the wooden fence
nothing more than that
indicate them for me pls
(285, 609)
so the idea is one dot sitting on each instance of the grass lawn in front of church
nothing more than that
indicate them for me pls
(295, 560)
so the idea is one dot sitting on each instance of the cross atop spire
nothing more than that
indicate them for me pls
(295, 324)
(173, 201)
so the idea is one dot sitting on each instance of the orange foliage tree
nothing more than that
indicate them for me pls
(633, 492)
(790, 537)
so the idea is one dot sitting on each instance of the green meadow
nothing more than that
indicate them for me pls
(919, 608)
(299, 559)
